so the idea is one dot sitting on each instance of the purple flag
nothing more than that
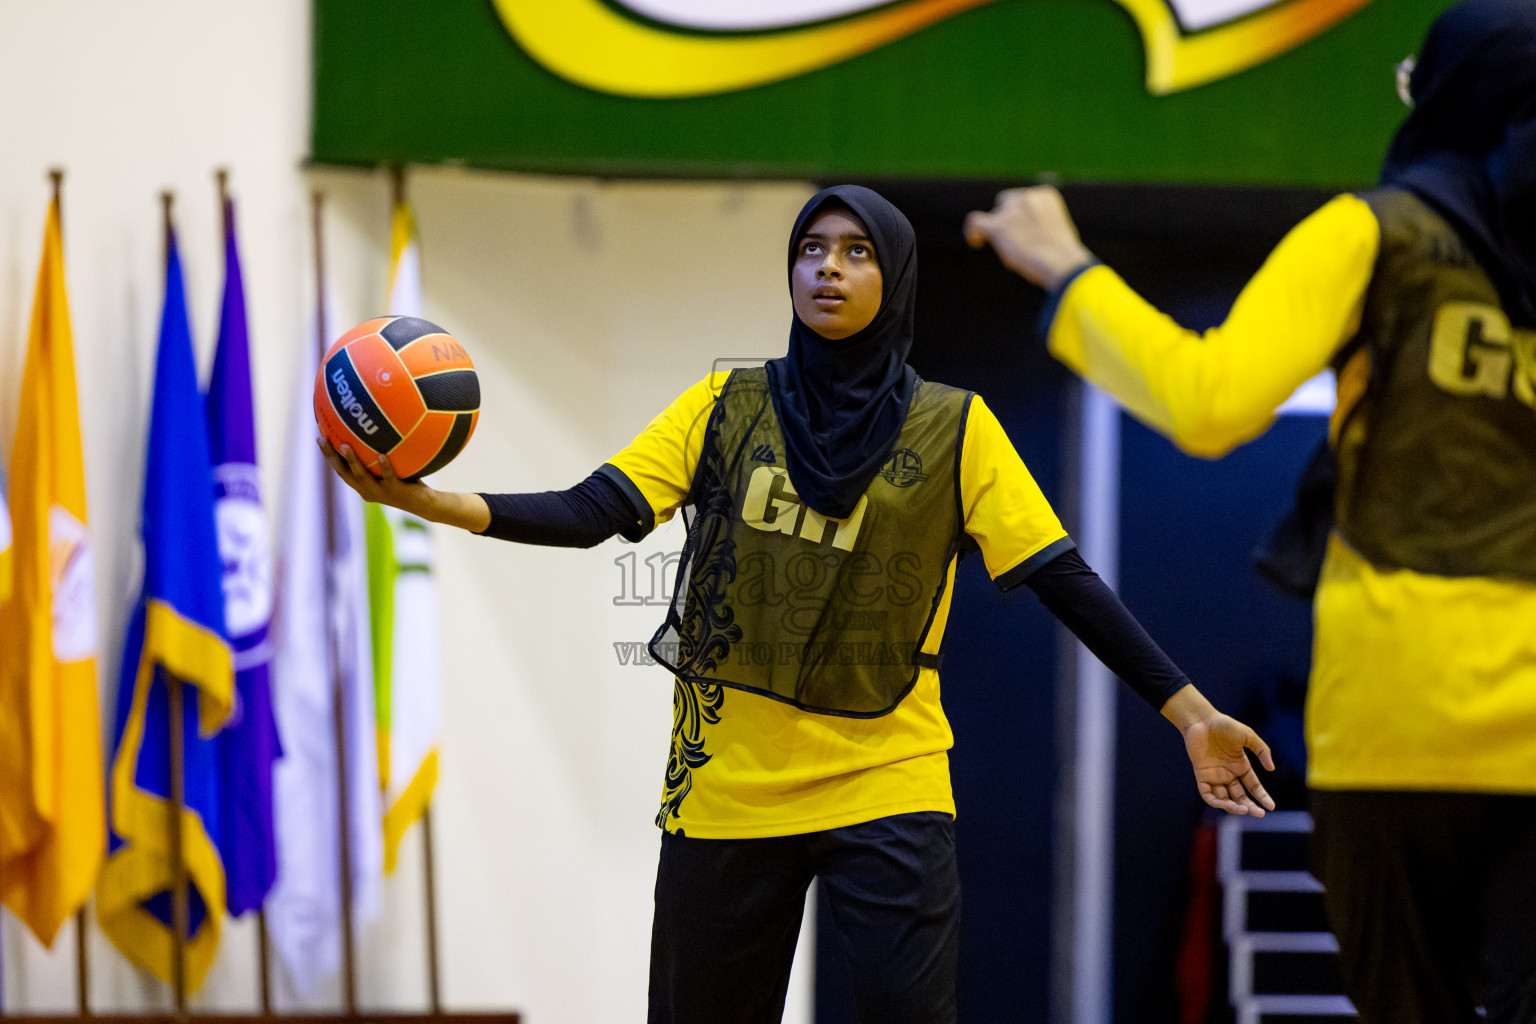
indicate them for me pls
(249, 744)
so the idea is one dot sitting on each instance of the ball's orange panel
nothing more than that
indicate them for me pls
(434, 353)
(422, 445)
(388, 383)
(365, 328)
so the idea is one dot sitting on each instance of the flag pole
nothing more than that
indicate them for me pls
(338, 695)
(82, 965)
(433, 990)
(429, 873)
(82, 958)
(181, 911)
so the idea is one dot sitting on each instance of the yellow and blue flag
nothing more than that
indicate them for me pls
(52, 828)
(177, 634)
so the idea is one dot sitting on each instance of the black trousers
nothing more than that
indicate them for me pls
(728, 916)
(1433, 899)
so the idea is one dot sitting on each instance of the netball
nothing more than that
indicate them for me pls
(398, 386)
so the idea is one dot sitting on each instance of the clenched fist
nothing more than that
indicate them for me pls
(1032, 233)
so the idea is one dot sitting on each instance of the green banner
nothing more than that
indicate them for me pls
(1293, 92)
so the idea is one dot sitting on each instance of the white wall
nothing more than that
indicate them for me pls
(586, 306)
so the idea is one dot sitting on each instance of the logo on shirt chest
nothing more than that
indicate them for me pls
(1476, 351)
(773, 506)
(903, 468)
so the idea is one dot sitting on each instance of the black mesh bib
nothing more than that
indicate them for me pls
(1437, 467)
(828, 615)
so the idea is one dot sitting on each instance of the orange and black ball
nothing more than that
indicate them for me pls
(398, 386)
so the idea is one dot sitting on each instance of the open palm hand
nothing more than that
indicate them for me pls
(1223, 773)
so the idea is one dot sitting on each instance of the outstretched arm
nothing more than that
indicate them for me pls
(578, 517)
(1215, 742)
(455, 508)
(1207, 392)
(639, 487)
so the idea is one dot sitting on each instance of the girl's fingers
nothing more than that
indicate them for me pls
(1259, 747)
(353, 462)
(978, 228)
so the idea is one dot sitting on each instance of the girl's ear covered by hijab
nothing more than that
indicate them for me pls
(841, 404)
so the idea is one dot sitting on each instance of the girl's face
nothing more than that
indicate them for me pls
(835, 281)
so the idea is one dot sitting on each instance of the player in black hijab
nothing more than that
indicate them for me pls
(841, 402)
(823, 755)
(1468, 146)
(1421, 296)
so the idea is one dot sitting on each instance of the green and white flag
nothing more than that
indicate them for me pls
(403, 603)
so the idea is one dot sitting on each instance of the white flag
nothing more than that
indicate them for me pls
(321, 601)
(407, 685)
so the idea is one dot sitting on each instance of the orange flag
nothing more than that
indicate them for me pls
(52, 821)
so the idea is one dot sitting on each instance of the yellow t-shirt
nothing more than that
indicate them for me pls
(757, 767)
(1418, 681)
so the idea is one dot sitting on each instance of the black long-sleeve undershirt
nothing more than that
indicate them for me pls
(597, 508)
(1083, 602)
(580, 517)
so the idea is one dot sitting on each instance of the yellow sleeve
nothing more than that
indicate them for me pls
(1005, 513)
(1210, 393)
(658, 465)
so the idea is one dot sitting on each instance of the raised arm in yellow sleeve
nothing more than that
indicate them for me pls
(1211, 392)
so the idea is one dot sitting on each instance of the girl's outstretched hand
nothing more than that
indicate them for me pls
(466, 510)
(414, 497)
(1223, 773)
(1217, 745)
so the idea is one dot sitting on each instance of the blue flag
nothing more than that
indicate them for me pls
(249, 743)
(177, 632)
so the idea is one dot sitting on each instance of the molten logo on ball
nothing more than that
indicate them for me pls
(353, 407)
(423, 402)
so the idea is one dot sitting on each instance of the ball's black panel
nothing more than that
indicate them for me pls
(451, 447)
(406, 329)
(450, 391)
(355, 407)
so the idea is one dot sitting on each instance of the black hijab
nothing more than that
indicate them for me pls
(1469, 146)
(841, 404)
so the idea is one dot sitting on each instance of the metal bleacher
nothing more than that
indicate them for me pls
(1284, 961)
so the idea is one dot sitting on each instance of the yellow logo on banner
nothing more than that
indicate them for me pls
(674, 48)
